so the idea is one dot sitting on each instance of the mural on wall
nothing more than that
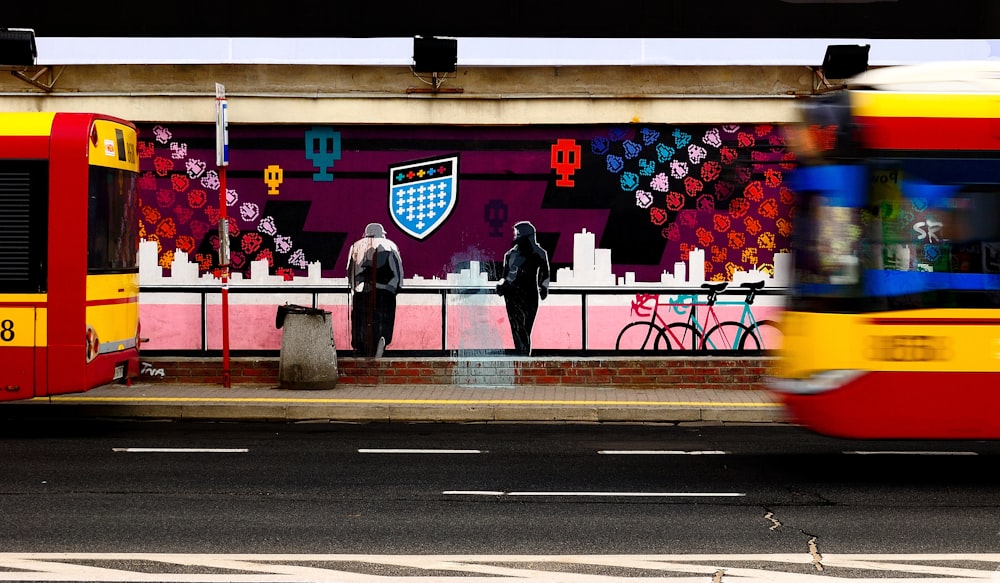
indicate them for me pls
(708, 198)
(374, 276)
(523, 282)
(422, 195)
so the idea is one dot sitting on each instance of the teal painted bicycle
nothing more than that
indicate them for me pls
(749, 333)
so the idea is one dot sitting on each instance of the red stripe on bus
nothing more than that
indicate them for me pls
(23, 304)
(935, 321)
(113, 301)
(927, 133)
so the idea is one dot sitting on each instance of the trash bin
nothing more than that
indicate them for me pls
(308, 355)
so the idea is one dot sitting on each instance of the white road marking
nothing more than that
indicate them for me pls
(419, 451)
(180, 450)
(364, 568)
(600, 494)
(476, 492)
(911, 452)
(660, 452)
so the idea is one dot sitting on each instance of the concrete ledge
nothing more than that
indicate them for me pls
(649, 414)
(459, 413)
(395, 413)
(752, 415)
(406, 403)
(544, 413)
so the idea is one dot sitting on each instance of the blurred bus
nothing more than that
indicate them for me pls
(893, 322)
(69, 238)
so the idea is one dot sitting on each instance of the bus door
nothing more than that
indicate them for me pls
(18, 337)
(24, 297)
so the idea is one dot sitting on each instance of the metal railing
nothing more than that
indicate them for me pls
(443, 292)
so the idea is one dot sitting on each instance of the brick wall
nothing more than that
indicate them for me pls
(667, 372)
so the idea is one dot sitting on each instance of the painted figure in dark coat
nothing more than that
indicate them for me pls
(524, 281)
(374, 274)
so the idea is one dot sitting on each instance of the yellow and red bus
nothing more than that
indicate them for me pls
(69, 240)
(892, 328)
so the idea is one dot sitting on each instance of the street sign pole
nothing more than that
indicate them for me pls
(222, 160)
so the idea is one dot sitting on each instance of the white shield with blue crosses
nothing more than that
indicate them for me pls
(422, 194)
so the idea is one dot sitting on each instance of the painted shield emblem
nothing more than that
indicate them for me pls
(422, 194)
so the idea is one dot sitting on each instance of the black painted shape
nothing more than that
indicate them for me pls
(628, 233)
(290, 219)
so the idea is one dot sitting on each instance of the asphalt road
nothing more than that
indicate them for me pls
(503, 491)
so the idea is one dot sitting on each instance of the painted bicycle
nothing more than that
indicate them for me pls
(693, 332)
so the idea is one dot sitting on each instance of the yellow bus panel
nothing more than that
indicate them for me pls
(115, 147)
(26, 124)
(915, 340)
(113, 308)
(17, 327)
(956, 105)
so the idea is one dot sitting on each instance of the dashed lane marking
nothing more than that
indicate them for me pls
(179, 450)
(902, 452)
(660, 452)
(600, 494)
(461, 451)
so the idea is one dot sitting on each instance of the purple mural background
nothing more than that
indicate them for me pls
(301, 194)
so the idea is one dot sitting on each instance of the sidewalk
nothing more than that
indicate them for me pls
(409, 403)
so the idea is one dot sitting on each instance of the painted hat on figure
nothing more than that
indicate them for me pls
(374, 230)
(523, 229)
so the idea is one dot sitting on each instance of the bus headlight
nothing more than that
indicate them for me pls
(93, 344)
(820, 382)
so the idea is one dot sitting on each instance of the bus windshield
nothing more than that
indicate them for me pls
(113, 222)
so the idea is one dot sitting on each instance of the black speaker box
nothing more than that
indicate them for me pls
(843, 61)
(17, 47)
(434, 55)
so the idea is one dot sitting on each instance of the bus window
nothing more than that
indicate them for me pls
(930, 244)
(113, 221)
(827, 236)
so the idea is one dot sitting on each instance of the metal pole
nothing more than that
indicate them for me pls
(222, 159)
(370, 343)
(226, 381)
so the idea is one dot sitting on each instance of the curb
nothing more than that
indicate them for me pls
(392, 412)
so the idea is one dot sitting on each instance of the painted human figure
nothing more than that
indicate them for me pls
(525, 280)
(374, 274)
